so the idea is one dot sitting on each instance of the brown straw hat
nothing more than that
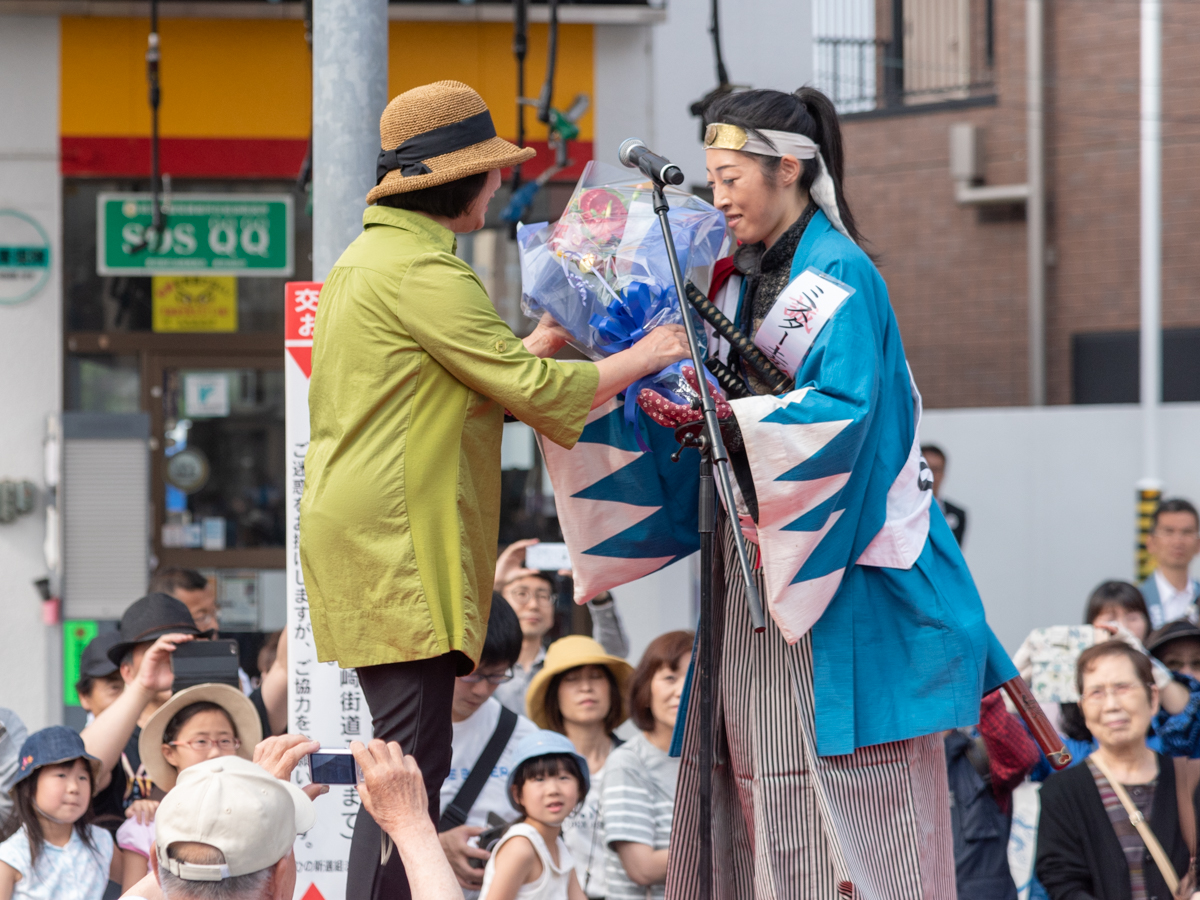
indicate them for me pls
(572, 652)
(437, 133)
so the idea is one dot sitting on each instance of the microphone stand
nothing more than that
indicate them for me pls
(712, 454)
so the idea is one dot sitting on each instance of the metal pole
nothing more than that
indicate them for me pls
(708, 529)
(1035, 209)
(1151, 235)
(152, 61)
(712, 430)
(350, 68)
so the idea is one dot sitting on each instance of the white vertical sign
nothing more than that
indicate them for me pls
(324, 701)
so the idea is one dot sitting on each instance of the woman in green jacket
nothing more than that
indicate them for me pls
(412, 373)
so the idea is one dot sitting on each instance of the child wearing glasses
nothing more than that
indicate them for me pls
(195, 725)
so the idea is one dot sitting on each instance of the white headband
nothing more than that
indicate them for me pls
(720, 136)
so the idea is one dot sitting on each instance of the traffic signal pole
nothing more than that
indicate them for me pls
(350, 70)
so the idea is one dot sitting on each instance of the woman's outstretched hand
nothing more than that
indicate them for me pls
(664, 345)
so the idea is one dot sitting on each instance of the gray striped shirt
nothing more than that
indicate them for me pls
(637, 800)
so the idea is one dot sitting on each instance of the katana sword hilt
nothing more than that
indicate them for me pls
(777, 381)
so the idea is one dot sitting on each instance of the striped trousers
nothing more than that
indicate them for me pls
(787, 823)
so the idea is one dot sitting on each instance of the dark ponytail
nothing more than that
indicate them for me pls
(808, 112)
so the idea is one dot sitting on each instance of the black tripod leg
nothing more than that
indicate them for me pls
(708, 504)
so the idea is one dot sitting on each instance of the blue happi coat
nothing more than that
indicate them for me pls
(851, 546)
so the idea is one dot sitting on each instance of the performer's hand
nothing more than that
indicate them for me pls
(664, 345)
(510, 565)
(672, 415)
(547, 338)
(458, 852)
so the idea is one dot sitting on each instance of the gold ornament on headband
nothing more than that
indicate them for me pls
(719, 136)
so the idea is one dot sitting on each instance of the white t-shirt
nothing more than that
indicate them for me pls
(73, 872)
(470, 737)
(555, 880)
(1176, 604)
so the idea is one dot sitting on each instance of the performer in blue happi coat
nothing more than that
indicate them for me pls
(830, 776)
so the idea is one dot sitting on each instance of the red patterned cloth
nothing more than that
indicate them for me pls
(1012, 753)
(672, 415)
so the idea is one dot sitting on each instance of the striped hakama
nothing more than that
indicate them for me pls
(787, 823)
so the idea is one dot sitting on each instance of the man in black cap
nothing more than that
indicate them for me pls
(150, 631)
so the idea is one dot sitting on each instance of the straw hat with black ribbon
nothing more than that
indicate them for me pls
(435, 134)
(239, 708)
(568, 653)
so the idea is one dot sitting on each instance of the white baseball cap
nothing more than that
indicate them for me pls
(239, 808)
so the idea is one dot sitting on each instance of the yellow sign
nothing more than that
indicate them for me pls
(194, 302)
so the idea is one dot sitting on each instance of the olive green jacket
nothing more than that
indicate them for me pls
(412, 370)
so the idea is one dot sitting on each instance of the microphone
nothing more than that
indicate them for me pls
(636, 155)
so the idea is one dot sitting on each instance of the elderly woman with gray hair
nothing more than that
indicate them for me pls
(1121, 825)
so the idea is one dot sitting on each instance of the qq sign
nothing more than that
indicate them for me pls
(226, 234)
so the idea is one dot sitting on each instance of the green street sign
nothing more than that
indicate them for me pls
(77, 634)
(214, 234)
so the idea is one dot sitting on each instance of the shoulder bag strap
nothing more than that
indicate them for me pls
(1143, 827)
(460, 807)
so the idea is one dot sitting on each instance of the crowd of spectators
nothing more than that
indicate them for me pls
(562, 783)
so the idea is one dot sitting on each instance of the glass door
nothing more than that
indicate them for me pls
(218, 481)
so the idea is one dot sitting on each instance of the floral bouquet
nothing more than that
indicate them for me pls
(602, 270)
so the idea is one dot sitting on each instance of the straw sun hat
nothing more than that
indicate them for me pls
(437, 133)
(241, 711)
(570, 653)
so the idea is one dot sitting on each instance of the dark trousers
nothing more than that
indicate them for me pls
(410, 703)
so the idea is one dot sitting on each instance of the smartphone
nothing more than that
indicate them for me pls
(547, 557)
(205, 662)
(334, 767)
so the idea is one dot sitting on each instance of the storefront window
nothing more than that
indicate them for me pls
(126, 303)
(223, 437)
(102, 384)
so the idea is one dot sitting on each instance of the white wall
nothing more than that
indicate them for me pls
(1050, 500)
(646, 76)
(30, 360)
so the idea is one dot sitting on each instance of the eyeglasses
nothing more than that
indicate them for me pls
(475, 678)
(203, 745)
(524, 595)
(1101, 691)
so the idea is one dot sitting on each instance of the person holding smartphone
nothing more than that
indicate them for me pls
(150, 631)
(530, 591)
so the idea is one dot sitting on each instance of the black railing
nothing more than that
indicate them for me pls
(929, 51)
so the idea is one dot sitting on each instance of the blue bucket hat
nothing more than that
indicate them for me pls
(50, 746)
(545, 743)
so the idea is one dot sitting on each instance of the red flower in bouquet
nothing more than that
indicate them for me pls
(595, 222)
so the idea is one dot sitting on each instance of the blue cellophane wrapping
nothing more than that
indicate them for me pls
(602, 270)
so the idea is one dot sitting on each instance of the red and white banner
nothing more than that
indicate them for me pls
(324, 702)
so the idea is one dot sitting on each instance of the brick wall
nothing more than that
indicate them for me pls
(957, 275)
